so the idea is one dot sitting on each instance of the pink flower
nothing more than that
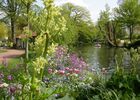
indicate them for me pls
(77, 71)
(70, 70)
(67, 68)
(61, 72)
(50, 70)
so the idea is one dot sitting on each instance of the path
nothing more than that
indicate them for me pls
(11, 53)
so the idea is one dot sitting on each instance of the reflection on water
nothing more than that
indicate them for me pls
(104, 57)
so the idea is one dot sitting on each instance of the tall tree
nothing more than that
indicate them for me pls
(109, 28)
(128, 13)
(102, 23)
(11, 8)
(80, 26)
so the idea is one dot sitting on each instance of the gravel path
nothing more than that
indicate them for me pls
(11, 53)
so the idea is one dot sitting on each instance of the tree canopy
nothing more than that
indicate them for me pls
(11, 8)
(128, 13)
(79, 24)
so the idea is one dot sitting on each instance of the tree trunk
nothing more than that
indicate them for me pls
(114, 33)
(28, 26)
(107, 36)
(12, 29)
(131, 32)
(109, 31)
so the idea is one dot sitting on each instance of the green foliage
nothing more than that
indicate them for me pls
(49, 20)
(60, 74)
(21, 22)
(108, 28)
(11, 10)
(3, 30)
(121, 86)
(128, 14)
(39, 45)
(101, 26)
(79, 24)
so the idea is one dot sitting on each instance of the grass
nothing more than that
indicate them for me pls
(12, 62)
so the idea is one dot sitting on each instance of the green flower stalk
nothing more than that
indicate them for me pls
(39, 65)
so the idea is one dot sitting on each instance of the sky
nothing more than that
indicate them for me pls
(94, 6)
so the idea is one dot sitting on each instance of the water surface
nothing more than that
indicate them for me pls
(105, 57)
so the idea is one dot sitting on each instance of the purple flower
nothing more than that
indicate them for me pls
(65, 63)
(9, 77)
(60, 51)
(77, 62)
(12, 89)
(1, 75)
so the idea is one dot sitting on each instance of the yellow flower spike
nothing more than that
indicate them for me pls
(39, 64)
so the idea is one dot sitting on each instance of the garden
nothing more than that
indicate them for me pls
(50, 52)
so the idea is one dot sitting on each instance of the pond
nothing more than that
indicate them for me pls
(105, 57)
